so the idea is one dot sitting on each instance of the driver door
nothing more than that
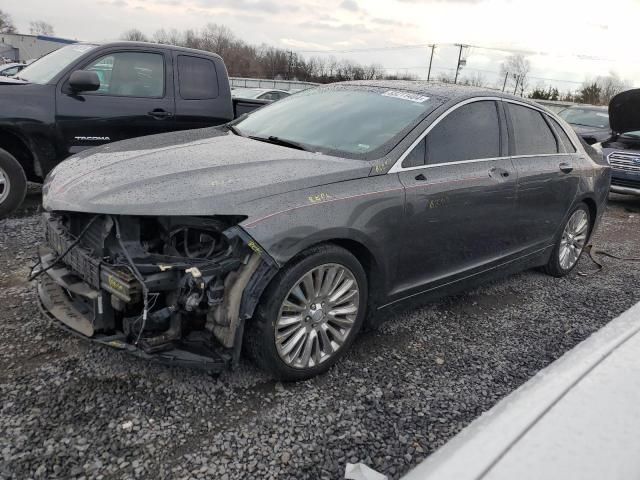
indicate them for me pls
(135, 99)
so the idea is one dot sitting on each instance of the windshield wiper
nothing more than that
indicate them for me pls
(279, 141)
(234, 130)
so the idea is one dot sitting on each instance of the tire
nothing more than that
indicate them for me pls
(13, 184)
(569, 245)
(334, 333)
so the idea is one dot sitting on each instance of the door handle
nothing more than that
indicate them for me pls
(420, 177)
(159, 113)
(498, 172)
(565, 167)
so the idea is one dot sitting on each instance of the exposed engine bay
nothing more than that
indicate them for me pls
(176, 288)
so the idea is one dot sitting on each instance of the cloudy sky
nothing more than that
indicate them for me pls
(565, 40)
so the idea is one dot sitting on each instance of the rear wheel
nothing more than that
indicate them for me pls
(571, 243)
(13, 183)
(310, 314)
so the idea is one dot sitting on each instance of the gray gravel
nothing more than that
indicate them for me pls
(72, 409)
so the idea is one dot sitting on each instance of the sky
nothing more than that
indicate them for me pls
(566, 41)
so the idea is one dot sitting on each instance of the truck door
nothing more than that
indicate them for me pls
(203, 94)
(135, 98)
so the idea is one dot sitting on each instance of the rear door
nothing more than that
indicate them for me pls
(460, 198)
(135, 99)
(548, 173)
(203, 94)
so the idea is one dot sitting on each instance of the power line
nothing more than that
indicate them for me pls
(428, 45)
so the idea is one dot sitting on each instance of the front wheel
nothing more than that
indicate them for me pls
(13, 184)
(309, 315)
(571, 243)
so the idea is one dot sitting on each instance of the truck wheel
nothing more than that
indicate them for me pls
(13, 183)
(309, 315)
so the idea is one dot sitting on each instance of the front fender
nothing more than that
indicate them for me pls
(368, 211)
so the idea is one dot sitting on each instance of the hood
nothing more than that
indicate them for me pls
(12, 81)
(624, 112)
(592, 135)
(197, 172)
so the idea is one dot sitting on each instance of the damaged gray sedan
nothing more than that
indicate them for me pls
(280, 232)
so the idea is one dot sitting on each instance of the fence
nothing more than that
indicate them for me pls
(276, 84)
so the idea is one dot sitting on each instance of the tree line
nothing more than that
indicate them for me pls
(37, 27)
(598, 91)
(265, 61)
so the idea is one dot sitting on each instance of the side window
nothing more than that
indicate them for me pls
(532, 135)
(130, 74)
(468, 133)
(268, 96)
(197, 77)
(416, 156)
(564, 138)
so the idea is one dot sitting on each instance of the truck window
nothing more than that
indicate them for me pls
(130, 74)
(197, 77)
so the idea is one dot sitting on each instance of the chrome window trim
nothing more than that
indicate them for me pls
(397, 166)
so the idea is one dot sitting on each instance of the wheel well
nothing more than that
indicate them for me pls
(13, 144)
(366, 259)
(593, 210)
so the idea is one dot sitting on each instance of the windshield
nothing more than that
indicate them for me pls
(634, 135)
(44, 69)
(341, 119)
(586, 117)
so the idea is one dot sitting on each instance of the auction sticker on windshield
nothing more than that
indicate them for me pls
(412, 97)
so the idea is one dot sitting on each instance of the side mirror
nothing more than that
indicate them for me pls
(84, 81)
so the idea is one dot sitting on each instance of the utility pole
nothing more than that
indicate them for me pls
(517, 77)
(459, 60)
(433, 46)
(504, 85)
(290, 64)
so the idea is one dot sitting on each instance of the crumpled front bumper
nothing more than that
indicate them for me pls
(58, 287)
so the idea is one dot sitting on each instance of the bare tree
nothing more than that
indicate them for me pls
(6, 23)
(40, 27)
(518, 67)
(610, 86)
(476, 80)
(134, 35)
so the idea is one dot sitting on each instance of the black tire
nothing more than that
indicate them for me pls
(15, 181)
(260, 338)
(553, 266)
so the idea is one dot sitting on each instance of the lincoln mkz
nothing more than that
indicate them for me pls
(285, 231)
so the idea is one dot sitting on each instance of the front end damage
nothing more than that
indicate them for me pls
(175, 289)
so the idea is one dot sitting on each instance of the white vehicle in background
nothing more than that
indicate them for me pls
(579, 418)
(11, 69)
(268, 94)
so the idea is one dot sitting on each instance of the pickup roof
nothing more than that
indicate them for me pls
(88, 94)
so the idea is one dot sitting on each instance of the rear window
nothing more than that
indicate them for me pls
(564, 138)
(532, 135)
(197, 77)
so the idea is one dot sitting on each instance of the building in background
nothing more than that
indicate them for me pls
(16, 47)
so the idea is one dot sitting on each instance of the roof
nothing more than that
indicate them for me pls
(448, 91)
(123, 43)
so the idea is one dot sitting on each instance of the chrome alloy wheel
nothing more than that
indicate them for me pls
(5, 186)
(317, 315)
(573, 239)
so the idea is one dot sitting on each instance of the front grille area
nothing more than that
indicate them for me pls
(82, 264)
(625, 183)
(626, 162)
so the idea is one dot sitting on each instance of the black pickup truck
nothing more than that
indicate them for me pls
(88, 94)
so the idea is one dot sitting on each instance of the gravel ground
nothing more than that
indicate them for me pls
(72, 409)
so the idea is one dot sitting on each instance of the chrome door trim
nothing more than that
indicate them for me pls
(397, 166)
